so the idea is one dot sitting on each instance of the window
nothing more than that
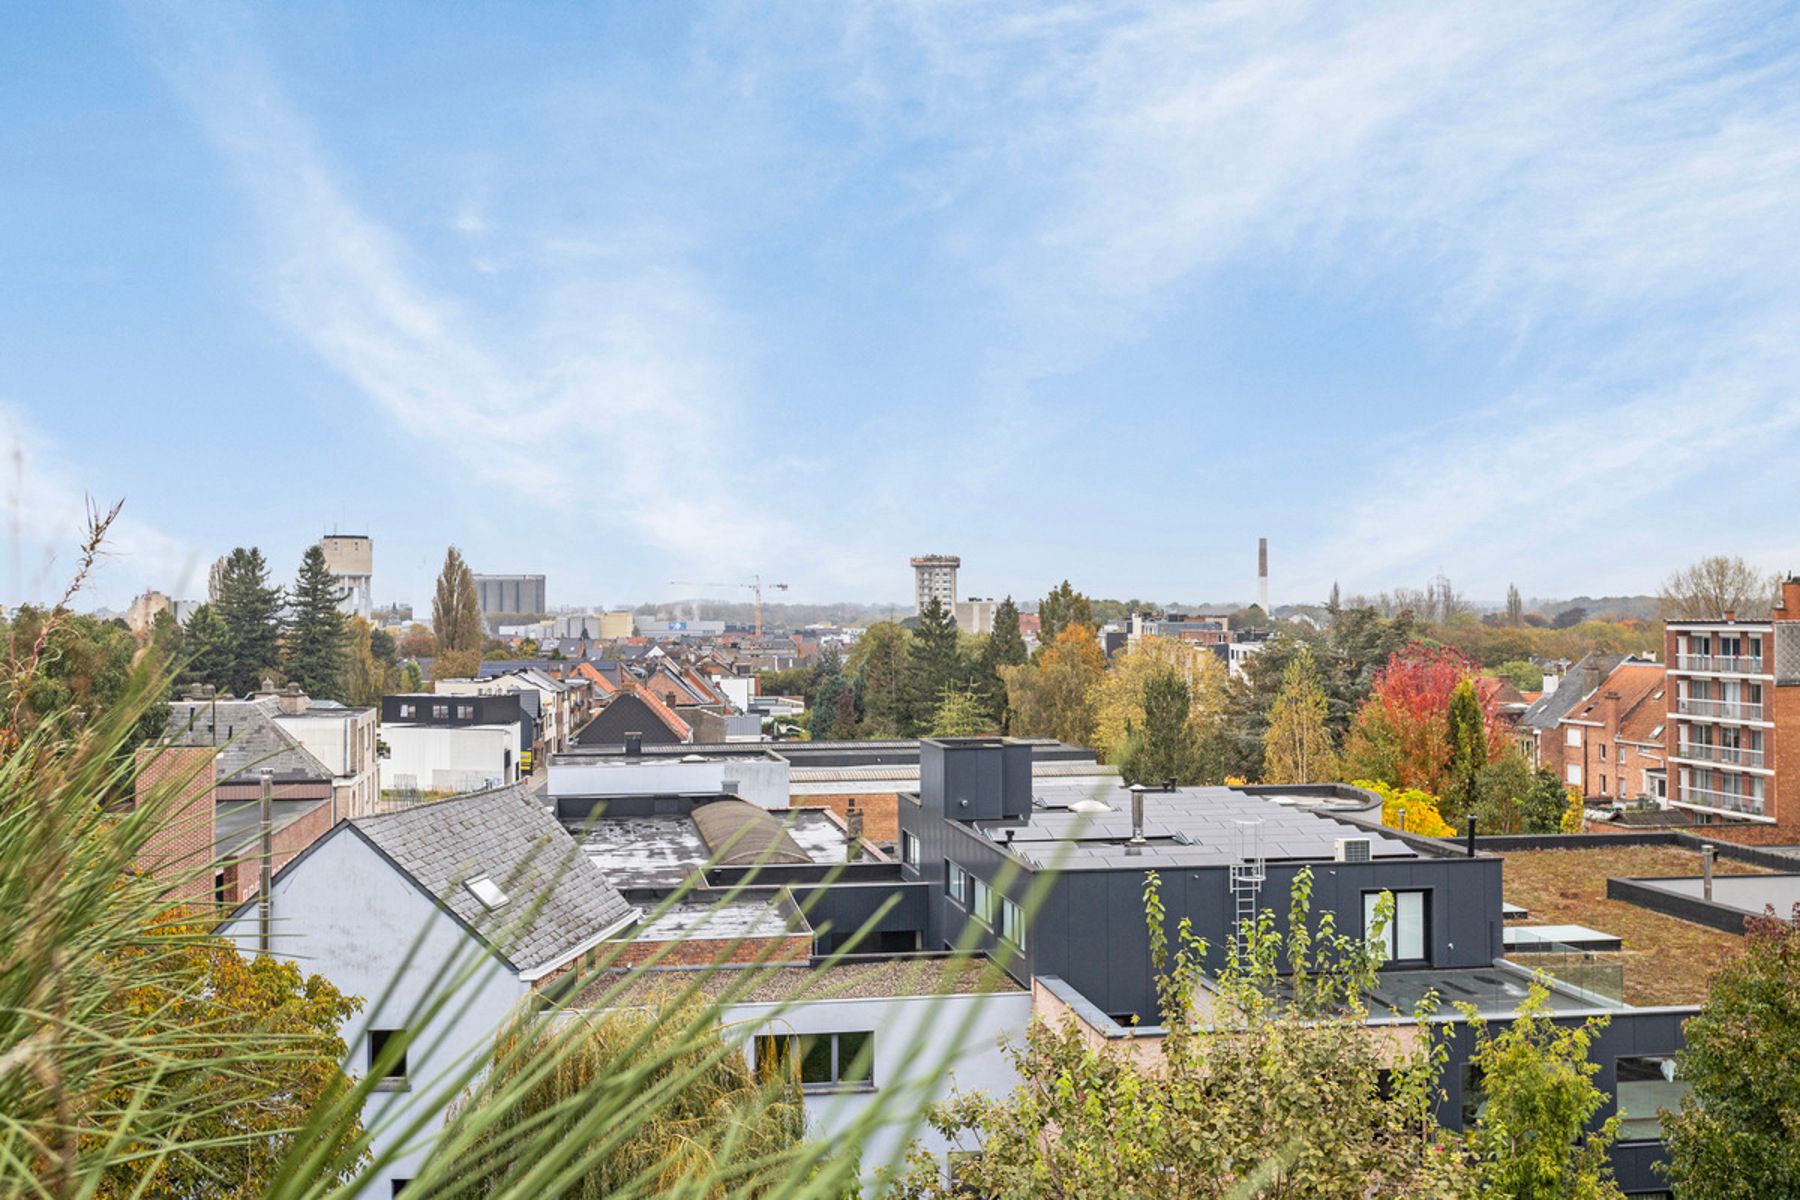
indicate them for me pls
(1602, 751)
(983, 905)
(390, 1076)
(440, 712)
(1474, 1095)
(1603, 785)
(1012, 923)
(1574, 736)
(909, 849)
(486, 891)
(1647, 1085)
(958, 885)
(1405, 936)
(465, 712)
(827, 1061)
(1573, 774)
(408, 710)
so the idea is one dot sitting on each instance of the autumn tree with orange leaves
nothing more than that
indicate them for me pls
(1401, 734)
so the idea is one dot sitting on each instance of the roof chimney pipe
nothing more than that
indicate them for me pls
(1137, 814)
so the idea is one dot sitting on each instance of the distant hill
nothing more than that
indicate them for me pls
(1622, 608)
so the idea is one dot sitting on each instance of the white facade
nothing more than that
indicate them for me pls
(353, 919)
(451, 758)
(915, 1036)
(934, 578)
(761, 780)
(976, 615)
(344, 740)
(556, 702)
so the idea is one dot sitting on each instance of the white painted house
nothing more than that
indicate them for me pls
(383, 905)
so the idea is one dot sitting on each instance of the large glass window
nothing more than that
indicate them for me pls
(909, 848)
(983, 905)
(1405, 937)
(1012, 923)
(826, 1061)
(957, 884)
(1647, 1085)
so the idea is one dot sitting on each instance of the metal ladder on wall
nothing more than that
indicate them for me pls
(1247, 876)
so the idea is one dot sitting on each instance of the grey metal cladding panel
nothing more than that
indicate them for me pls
(1787, 653)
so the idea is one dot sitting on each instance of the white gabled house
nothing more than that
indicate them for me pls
(382, 904)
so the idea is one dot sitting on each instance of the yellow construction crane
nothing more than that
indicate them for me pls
(755, 585)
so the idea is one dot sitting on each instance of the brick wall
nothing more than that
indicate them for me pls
(179, 781)
(243, 877)
(880, 810)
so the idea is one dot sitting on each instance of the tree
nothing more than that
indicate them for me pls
(1284, 1098)
(1402, 731)
(1119, 697)
(367, 678)
(187, 980)
(961, 712)
(419, 642)
(251, 612)
(1063, 607)
(1466, 726)
(1297, 747)
(1054, 697)
(709, 1108)
(1734, 1138)
(1335, 601)
(1004, 647)
(456, 610)
(1408, 809)
(313, 653)
(1515, 606)
(878, 663)
(456, 664)
(932, 666)
(1162, 747)
(1526, 676)
(1714, 586)
(824, 691)
(205, 648)
(1530, 1141)
(1510, 797)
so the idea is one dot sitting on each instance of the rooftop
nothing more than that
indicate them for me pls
(1667, 960)
(1188, 827)
(236, 823)
(922, 975)
(663, 852)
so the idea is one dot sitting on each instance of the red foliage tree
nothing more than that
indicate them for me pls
(1401, 732)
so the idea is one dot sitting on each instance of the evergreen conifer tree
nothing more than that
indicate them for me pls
(1164, 746)
(205, 648)
(1064, 606)
(314, 649)
(932, 665)
(251, 612)
(1005, 647)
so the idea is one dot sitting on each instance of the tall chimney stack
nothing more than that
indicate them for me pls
(1262, 575)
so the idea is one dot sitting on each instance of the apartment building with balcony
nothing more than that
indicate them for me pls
(1733, 732)
(1611, 741)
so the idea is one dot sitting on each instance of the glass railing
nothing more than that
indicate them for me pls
(1733, 756)
(1731, 710)
(1740, 664)
(1600, 973)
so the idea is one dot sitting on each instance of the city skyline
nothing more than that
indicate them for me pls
(656, 286)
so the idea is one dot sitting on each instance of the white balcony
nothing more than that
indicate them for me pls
(1751, 806)
(1731, 756)
(1724, 664)
(1724, 710)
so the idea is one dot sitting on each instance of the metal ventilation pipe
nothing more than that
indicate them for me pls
(1471, 835)
(1137, 814)
(1706, 870)
(266, 852)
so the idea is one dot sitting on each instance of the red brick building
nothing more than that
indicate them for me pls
(1611, 745)
(1732, 734)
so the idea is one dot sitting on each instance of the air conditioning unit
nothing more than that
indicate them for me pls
(1352, 850)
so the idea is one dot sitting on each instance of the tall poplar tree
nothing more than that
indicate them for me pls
(314, 650)
(455, 608)
(251, 612)
(1467, 728)
(1297, 745)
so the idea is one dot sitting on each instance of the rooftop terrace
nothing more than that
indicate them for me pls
(921, 975)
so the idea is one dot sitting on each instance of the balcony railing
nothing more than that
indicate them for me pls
(1732, 710)
(1733, 756)
(1729, 801)
(1735, 663)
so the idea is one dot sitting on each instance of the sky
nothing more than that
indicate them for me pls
(627, 294)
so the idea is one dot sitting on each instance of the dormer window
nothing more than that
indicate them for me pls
(486, 891)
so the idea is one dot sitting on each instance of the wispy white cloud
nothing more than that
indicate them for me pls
(47, 504)
(604, 408)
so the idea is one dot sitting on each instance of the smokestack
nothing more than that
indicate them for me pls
(1262, 575)
(1137, 814)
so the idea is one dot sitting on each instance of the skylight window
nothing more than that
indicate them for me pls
(486, 891)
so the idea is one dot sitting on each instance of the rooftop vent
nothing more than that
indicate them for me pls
(486, 891)
(1352, 850)
(1090, 806)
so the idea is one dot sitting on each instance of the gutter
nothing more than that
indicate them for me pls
(537, 973)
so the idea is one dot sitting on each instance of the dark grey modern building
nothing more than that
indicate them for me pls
(511, 593)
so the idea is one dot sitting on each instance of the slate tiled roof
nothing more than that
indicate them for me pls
(248, 737)
(1552, 707)
(558, 901)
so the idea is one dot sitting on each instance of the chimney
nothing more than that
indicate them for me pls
(1137, 814)
(634, 744)
(1787, 608)
(1262, 575)
(853, 825)
(1590, 676)
(1730, 614)
(1609, 711)
(292, 699)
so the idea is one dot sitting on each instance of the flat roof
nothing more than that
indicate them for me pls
(1495, 991)
(921, 975)
(724, 920)
(1666, 960)
(1188, 827)
(1750, 893)
(238, 823)
(663, 852)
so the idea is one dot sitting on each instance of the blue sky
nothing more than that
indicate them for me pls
(639, 292)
